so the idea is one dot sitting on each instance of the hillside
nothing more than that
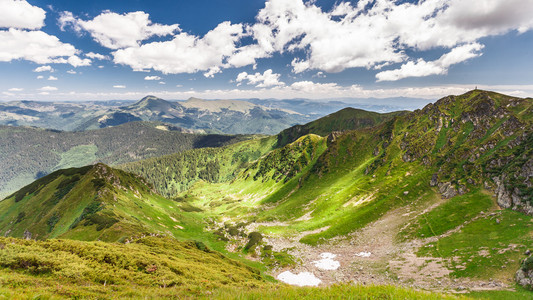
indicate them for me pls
(93, 203)
(29, 153)
(342, 120)
(151, 267)
(222, 165)
(100, 203)
(422, 191)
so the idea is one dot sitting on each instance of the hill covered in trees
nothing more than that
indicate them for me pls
(28, 153)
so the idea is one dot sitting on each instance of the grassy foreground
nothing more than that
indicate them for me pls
(152, 267)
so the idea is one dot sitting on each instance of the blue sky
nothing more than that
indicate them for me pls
(100, 50)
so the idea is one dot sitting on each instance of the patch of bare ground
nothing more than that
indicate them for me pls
(390, 261)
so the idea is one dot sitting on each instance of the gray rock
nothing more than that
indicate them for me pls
(434, 180)
(447, 190)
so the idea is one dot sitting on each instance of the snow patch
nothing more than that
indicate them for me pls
(300, 279)
(363, 254)
(327, 262)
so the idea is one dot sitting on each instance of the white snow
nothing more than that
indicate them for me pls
(363, 254)
(300, 279)
(327, 262)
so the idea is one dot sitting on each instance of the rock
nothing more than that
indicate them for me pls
(434, 180)
(376, 151)
(447, 190)
(461, 288)
(528, 252)
(406, 192)
(27, 235)
(497, 221)
(524, 278)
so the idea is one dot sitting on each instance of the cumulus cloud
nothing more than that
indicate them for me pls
(71, 72)
(52, 78)
(15, 89)
(44, 69)
(440, 66)
(48, 88)
(119, 86)
(116, 31)
(40, 77)
(20, 14)
(185, 53)
(38, 47)
(96, 56)
(152, 78)
(376, 34)
(267, 79)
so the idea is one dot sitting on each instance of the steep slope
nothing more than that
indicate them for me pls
(93, 203)
(222, 165)
(30, 153)
(143, 267)
(441, 173)
(342, 120)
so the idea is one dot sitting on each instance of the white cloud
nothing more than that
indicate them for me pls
(267, 79)
(212, 71)
(20, 14)
(48, 88)
(40, 77)
(52, 78)
(36, 46)
(152, 78)
(440, 66)
(185, 53)
(96, 56)
(15, 89)
(100, 67)
(71, 72)
(117, 31)
(44, 69)
(75, 61)
(162, 82)
(375, 34)
(119, 86)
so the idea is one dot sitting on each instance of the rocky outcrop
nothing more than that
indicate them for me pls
(511, 198)
(447, 190)
(524, 276)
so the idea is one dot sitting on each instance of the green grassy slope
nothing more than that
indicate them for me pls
(152, 267)
(94, 203)
(448, 158)
(343, 120)
(30, 153)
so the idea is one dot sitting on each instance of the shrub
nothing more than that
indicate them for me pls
(253, 239)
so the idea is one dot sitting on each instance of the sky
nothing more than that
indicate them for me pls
(222, 49)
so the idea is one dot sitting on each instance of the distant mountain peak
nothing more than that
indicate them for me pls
(152, 103)
(150, 97)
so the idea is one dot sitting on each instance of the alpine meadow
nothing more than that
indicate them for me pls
(266, 149)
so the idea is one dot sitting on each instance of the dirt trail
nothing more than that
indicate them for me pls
(390, 261)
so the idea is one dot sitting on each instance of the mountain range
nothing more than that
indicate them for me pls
(246, 116)
(438, 199)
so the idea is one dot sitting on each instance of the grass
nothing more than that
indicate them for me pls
(485, 248)
(519, 293)
(449, 215)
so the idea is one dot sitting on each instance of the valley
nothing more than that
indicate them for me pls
(438, 199)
